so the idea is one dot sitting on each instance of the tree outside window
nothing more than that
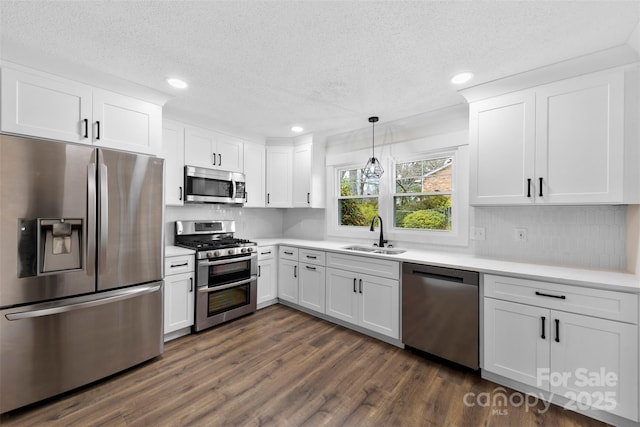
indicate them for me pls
(423, 194)
(358, 200)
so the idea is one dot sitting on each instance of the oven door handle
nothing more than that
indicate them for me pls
(207, 289)
(225, 261)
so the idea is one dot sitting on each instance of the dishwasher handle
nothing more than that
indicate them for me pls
(441, 273)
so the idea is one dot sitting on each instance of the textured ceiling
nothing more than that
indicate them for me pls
(326, 65)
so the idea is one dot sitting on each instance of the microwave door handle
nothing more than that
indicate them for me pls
(104, 211)
(91, 219)
(233, 186)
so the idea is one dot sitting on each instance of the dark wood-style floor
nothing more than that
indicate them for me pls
(285, 368)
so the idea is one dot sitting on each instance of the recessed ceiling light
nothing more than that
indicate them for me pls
(461, 78)
(177, 83)
(297, 129)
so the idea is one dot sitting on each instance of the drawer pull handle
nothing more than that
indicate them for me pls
(557, 330)
(288, 253)
(179, 265)
(265, 253)
(543, 328)
(311, 257)
(550, 295)
(310, 268)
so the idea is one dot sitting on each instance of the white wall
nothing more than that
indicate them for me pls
(306, 224)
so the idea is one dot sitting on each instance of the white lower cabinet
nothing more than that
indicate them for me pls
(591, 361)
(267, 277)
(368, 301)
(311, 287)
(179, 297)
(288, 279)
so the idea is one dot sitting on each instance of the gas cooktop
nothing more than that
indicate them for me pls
(212, 239)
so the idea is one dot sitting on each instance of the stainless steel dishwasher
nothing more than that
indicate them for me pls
(440, 312)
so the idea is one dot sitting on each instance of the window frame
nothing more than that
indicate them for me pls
(453, 144)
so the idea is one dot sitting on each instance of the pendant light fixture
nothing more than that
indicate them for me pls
(373, 170)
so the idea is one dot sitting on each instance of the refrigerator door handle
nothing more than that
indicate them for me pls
(104, 215)
(91, 301)
(91, 219)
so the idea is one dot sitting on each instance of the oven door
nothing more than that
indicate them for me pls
(227, 288)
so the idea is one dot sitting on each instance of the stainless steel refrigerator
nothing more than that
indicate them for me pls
(81, 240)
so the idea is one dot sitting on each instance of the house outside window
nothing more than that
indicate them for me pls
(358, 198)
(424, 194)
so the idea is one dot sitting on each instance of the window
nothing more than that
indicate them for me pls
(358, 198)
(423, 194)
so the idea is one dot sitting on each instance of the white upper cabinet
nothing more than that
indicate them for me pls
(208, 149)
(255, 175)
(279, 176)
(561, 143)
(125, 123)
(308, 174)
(173, 154)
(42, 105)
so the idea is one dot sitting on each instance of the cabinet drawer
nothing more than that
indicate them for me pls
(601, 303)
(365, 265)
(178, 264)
(312, 257)
(287, 252)
(266, 252)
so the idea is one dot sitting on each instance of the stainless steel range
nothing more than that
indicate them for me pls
(226, 271)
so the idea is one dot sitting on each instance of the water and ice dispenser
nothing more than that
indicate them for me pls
(49, 246)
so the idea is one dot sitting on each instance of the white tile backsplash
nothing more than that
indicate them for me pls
(251, 223)
(580, 236)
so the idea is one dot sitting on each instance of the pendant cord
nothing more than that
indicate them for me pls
(373, 140)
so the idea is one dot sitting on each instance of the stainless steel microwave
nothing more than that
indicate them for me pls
(204, 185)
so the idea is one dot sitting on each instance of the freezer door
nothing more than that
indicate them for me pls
(46, 238)
(130, 219)
(52, 347)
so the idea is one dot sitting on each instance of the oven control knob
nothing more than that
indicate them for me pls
(243, 250)
(210, 254)
(216, 253)
(230, 251)
(249, 249)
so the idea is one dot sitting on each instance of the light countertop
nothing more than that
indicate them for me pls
(611, 280)
(176, 251)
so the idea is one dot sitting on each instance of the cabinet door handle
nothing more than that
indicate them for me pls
(354, 285)
(259, 271)
(360, 284)
(219, 159)
(540, 193)
(268, 198)
(214, 159)
(179, 265)
(246, 196)
(528, 187)
(543, 327)
(540, 294)
(310, 268)
(295, 271)
(98, 128)
(180, 196)
(190, 284)
(308, 198)
(557, 330)
(86, 127)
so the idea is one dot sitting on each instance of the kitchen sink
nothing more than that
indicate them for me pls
(375, 250)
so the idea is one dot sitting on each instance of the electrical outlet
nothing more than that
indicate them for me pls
(521, 234)
(477, 233)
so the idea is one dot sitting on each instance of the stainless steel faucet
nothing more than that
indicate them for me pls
(381, 242)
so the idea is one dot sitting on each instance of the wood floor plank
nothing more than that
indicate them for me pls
(282, 367)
